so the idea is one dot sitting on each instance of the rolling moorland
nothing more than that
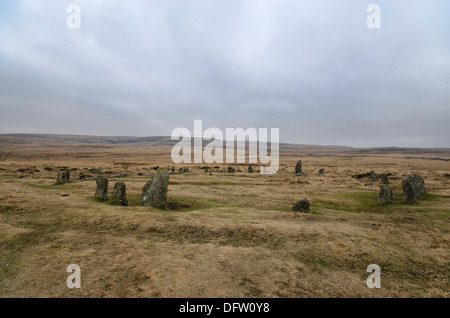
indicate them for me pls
(223, 234)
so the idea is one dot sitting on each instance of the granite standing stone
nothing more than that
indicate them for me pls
(413, 187)
(119, 194)
(102, 188)
(298, 168)
(154, 192)
(385, 194)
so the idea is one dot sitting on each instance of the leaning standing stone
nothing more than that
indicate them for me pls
(102, 188)
(298, 167)
(154, 192)
(301, 206)
(385, 194)
(119, 195)
(413, 187)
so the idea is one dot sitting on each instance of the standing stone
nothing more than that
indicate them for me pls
(321, 172)
(59, 178)
(154, 192)
(119, 194)
(231, 170)
(413, 186)
(301, 206)
(250, 169)
(206, 170)
(385, 194)
(67, 175)
(298, 168)
(64, 177)
(373, 176)
(102, 188)
(384, 179)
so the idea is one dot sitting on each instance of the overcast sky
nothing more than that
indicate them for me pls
(313, 69)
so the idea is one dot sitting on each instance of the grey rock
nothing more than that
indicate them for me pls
(154, 192)
(384, 178)
(231, 170)
(186, 170)
(301, 206)
(413, 187)
(119, 175)
(102, 188)
(119, 194)
(385, 194)
(59, 178)
(373, 176)
(97, 171)
(298, 167)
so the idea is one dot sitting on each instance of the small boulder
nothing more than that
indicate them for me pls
(385, 194)
(231, 170)
(301, 206)
(413, 187)
(102, 188)
(321, 172)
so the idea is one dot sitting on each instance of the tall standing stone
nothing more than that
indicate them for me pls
(154, 192)
(413, 187)
(119, 194)
(385, 194)
(298, 167)
(102, 188)
(67, 175)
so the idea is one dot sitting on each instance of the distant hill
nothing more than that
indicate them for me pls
(53, 140)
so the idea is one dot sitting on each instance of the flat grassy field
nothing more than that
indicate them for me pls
(224, 235)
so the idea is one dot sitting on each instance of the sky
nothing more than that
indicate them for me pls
(313, 69)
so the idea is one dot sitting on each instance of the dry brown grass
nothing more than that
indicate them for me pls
(230, 235)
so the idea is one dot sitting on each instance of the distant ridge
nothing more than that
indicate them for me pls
(54, 140)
